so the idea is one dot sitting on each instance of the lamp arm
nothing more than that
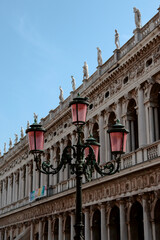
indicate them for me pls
(112, 166)
(47, 168)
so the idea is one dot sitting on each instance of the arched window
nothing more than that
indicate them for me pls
(154, 112)
(58, 161)
(68, 228)
(136, 222)
(96, 225)
(114, 223)
(133, 125)
(96, 131)
(157, 219)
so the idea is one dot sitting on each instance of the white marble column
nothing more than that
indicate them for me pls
(128, 148)
(1, 188)
(123, 225)
(8, 191)
(147, 122)
(55, 164)
(146, 220)
(87, 227)
(151, 124)
(153, 229)
(5, 234)
(20, 184)
(118, 109)
(103, 223)
(49, 228)
(27, 180)
(60, 230)
(102, 138)
(40, 230)
(72, 225)
(4, 192)
(32, 231)
(156, 123)
(11, 234)
(142, 138)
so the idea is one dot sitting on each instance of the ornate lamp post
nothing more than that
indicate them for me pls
(82, 158)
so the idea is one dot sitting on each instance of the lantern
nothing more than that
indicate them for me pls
(36, 137)
(118, 138)
(95, 146)
(79, 110)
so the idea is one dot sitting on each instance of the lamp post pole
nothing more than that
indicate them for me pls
(82, 158)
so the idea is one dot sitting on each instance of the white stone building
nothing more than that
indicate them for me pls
(123, 206)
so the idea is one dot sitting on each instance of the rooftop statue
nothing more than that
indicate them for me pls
(61, 95)
(73, 83)
(28, 124)
(16, 138)
(117, 39)
(10, 143)
(35, 118)
(137, 17)
(99, 56)
(4, 147)
(22, 133)
(85, 71)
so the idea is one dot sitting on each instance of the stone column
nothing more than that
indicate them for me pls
(20, 184)
(11, 234)
(103, 223)
(5, 234)
(49, 228)
(87, 225)
(5, 192)
(156, 124)
(11, 189)
(123, 226)
(40, 229)
(0, 234)
(60, 230)
(54, 164)
(27, 180)
(31, 231)
(8, 191)
(1, 187)
(102, 138)
(147, 122)
(14, 186)
(151, 125)
(128, 147)
(142, 138)
(72, 225)
(146, 219)
(153, 229)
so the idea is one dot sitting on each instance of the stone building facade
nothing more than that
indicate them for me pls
(123, 206)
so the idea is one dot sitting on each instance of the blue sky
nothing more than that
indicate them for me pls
(43, 43)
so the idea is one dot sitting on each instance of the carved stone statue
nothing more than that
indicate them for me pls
(35, 117)
(28, 124)
(10, 143)
(117, 39)
(16, 138)
(85, 71)
(99, 56)
(73, 83)
(137, 17)
(22, 133)
(4, 147)
(61, 95)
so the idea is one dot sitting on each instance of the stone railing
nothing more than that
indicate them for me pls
(146, 153)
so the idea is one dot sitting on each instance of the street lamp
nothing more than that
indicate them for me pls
(82, 158)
